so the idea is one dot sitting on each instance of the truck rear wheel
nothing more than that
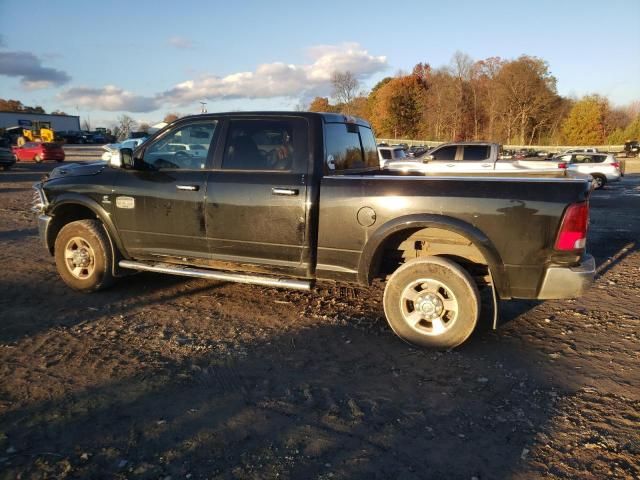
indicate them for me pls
(432, 302)
(83, 256)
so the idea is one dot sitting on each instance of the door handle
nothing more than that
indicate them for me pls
(189, 188)
(288, 192)
(486, 164)
(451, 164)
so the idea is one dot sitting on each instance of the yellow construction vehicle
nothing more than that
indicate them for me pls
(38, 132)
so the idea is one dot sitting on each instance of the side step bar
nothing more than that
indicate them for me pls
(217, 275)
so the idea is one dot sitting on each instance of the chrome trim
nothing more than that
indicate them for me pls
(39, 199)
(568, 282)
(284, 191)
(471, 177)
(216, 275)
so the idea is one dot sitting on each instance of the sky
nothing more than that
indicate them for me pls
(146, 58)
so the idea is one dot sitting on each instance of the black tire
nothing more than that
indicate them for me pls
(37, 158)
(599, 181)
(93, 261)
(444, 327)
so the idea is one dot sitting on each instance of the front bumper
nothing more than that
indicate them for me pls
(44, 221)
(568, 282)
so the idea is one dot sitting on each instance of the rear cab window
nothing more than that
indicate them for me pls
(272, 144)
(349, 147)
(476, 152)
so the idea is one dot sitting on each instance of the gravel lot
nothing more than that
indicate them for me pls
(164, 377)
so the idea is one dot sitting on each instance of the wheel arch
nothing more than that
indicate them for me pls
(401, 229)
(71, 207)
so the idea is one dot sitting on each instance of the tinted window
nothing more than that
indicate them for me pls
(369, 147)
(171, 152)
(350, 147)
(445, 153)
(579, 158)
(399, 153)
(386, 154)
(476, 152)
(278, 144)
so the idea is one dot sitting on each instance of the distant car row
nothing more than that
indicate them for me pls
(75, 138)
(481, 157)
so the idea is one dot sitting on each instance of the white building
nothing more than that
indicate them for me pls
(22, 119)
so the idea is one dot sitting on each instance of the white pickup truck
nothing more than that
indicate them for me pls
(472, 157)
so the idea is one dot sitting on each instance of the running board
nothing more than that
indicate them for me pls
(217, 275)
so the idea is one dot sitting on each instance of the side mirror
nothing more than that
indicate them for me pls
(126, 158)
(427, 158)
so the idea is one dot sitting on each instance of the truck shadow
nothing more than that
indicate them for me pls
(291, 406)
(22, 311)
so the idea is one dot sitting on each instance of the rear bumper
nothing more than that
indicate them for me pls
(568, 282)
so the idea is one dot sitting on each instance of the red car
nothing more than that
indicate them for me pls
(37, 152)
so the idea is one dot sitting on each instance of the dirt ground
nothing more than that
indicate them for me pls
(173, 378)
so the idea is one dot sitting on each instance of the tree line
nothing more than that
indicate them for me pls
(507, 101)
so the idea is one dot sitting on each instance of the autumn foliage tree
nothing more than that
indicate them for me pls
(494, 99)
(585, 124)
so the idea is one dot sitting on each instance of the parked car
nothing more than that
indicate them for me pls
(99, 137)
(329, 215)
(38, 152)
(416, 151)
(70, 137)
(580, 150)
(603, 167)
(632, 148)
(112, 150)
(7, 157)
(390, 154)
(473, 157)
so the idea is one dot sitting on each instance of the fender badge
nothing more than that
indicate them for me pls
(125, 202)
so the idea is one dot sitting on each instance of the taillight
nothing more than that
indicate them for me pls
(615, 165)
(562, 165)
(573, 230)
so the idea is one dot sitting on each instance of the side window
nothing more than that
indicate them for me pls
(174, 149)
(399, 153)
(386, 154)
(266, 144)
(581, 159)
(350, 147)
(445, 153)
(369, 147)
(476, 152)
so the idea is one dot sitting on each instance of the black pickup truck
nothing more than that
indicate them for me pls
(286, 199)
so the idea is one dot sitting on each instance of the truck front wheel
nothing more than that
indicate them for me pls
(83, 256)
(432, 302)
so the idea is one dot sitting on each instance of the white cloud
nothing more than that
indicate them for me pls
(109, 98)
(180, 42)
(270, 80)
(279, 79)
